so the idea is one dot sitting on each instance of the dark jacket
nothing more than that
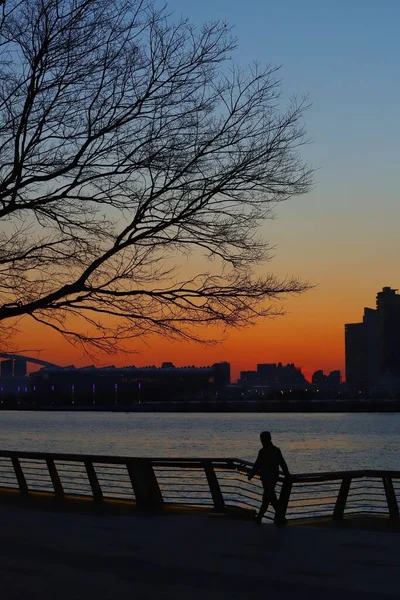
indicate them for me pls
(268, 461)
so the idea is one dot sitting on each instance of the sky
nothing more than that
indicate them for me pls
(342, 237)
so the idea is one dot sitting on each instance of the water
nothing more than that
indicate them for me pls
(310, 442)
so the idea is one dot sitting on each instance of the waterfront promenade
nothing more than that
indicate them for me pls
(63, 555)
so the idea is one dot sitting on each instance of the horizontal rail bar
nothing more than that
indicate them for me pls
(218, 482)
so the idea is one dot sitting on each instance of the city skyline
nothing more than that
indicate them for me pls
(16, 365)
(112, 386)
(178, 353)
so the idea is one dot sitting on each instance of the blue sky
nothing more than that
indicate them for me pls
(345, 55)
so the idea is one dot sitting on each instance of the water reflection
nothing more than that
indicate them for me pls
(310, 442)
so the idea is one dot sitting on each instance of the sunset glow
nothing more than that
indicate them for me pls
(342, 237)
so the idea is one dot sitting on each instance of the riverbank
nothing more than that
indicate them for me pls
(226, 406)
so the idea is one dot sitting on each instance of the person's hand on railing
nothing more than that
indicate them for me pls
(287, 476)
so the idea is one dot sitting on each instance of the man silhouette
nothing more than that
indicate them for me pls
(268, 461)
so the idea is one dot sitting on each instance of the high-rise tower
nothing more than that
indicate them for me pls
(373, 346)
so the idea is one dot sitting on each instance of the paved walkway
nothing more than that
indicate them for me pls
(56, 555)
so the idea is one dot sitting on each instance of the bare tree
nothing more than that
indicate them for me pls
(128, 143)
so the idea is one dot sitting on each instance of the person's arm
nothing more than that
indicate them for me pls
(283, 465)
(256, 467)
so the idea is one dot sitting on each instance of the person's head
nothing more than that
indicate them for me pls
(265, 438)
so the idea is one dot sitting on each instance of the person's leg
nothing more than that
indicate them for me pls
(274, 501)
(279, 518)
(264, 505)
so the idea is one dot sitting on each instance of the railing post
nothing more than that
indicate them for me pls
(284, 496)
(144, 484)
(23, 486)
(55, 478)
(218, 499)
(341, 499)
(391, 498)
(94, 482)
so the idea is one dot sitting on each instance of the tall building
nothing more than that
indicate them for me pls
(355, 356)
(388, 307)
(373, 346)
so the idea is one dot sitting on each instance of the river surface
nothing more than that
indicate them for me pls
(310, 442)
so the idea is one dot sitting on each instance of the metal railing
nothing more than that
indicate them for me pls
(219, 484)
(345, 493)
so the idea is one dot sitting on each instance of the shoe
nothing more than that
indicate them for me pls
(257, 520)
(280, 522)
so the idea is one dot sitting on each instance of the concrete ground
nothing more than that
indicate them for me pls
(57, 555)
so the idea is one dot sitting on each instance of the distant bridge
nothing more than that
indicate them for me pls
(36, 361)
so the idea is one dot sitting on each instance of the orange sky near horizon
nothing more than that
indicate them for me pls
(310, 334)
(282, 339)
(346, 263)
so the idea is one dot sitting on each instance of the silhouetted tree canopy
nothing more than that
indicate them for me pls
(131, 144)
